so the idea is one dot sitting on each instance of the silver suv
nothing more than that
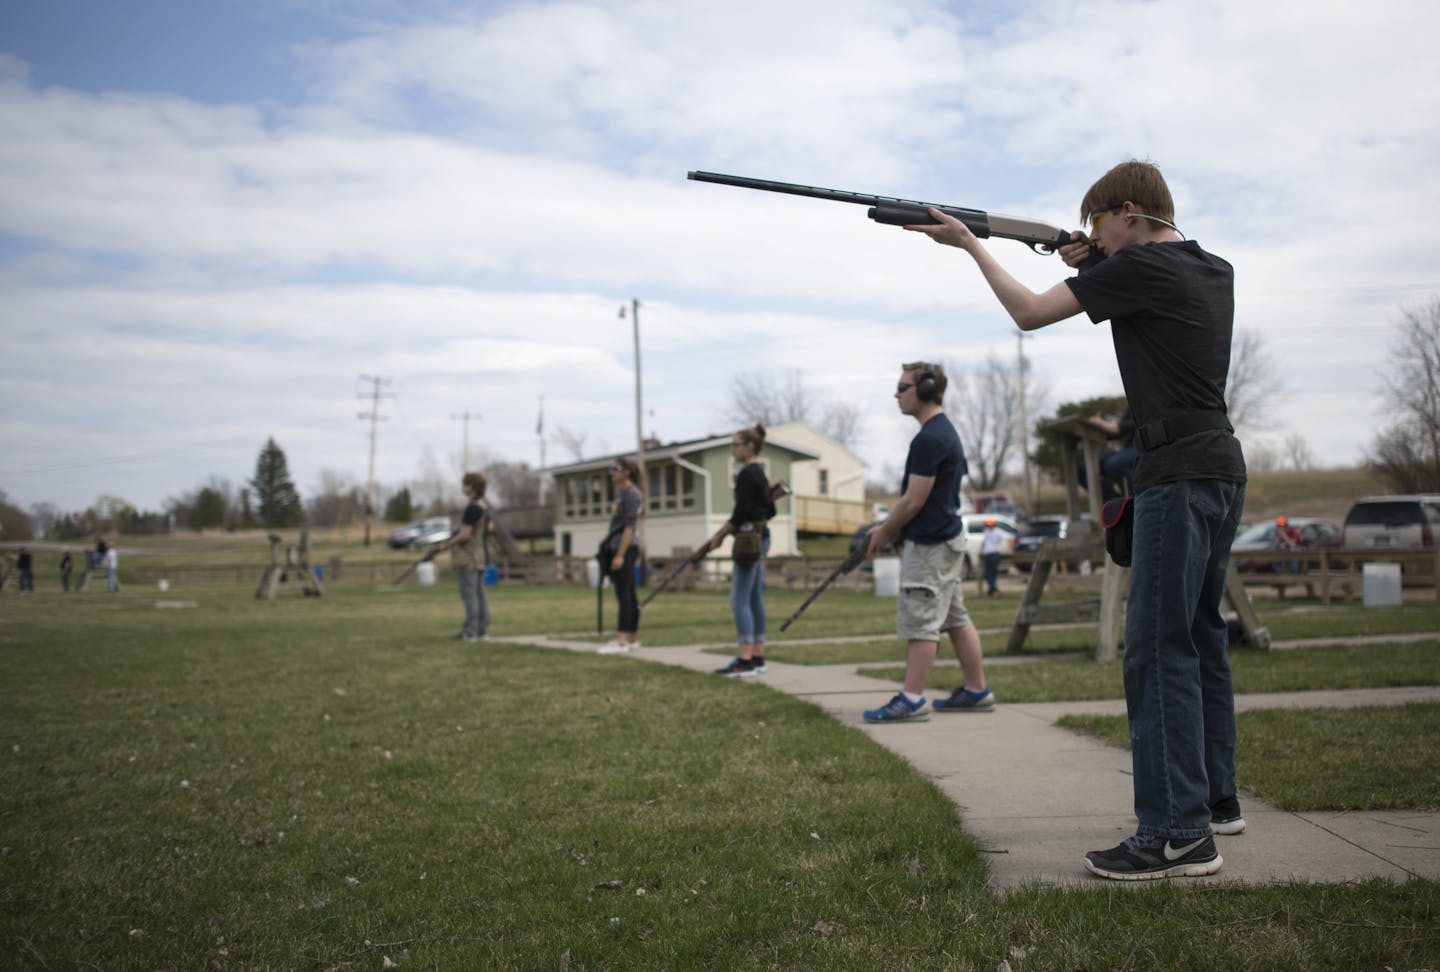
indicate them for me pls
(1394, 522)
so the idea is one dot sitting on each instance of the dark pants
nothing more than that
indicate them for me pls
(992, 572)
(624, 581)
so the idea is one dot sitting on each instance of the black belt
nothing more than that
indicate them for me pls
(1163, 431)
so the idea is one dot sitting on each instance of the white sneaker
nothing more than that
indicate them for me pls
(613, 648)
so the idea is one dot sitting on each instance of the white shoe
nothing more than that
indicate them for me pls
(613, 648)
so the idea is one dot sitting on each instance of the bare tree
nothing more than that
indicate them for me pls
(336, 499)
(512, 484)
(984, 404)
(1254, 384)
(1297, 452)
(774, 397)
(571, 440)
(1406, 453)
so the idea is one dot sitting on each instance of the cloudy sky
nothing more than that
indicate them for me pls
(216, 217)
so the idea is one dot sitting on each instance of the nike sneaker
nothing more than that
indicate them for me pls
(1147, 858)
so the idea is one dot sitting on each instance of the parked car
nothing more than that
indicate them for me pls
(1036, 529)
(1255, 550)
(975, 538)
(410, 534)
(997, 503)
(1393, 521)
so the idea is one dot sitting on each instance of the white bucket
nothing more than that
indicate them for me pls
(887, 576)
(425, 574)
(1382, 585)
(592, 572)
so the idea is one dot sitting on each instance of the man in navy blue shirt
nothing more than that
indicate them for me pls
(927, 518)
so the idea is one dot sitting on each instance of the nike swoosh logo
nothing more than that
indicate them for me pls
(1173, 853)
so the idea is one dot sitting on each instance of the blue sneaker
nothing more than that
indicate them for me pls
(899, 709)
(964, 700)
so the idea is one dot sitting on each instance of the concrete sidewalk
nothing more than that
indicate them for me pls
(1036, 797)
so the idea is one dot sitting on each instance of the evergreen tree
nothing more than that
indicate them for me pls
(247, 516)
(208, 511)
(276, 496)
(401, 507)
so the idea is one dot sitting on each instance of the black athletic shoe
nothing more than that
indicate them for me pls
(1225, 817)
(757, 664)
(1147, 858)
(738, 668)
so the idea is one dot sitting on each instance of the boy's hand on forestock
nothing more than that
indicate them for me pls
(876, 535)
(949, 230)
(1077, 251)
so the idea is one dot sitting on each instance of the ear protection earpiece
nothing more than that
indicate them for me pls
(925, 384)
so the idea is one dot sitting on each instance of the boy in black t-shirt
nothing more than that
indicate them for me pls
(1171, 310)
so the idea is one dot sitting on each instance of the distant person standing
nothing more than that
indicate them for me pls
(753, 508)
(67, 567)
(110, 560)
(991, 543)
(469, 558)
(619, 551)
(933, 557)
(25, 564)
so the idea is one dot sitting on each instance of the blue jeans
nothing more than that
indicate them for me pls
(477, 605)
(992, 571)
(747, 598)
(1177, 665)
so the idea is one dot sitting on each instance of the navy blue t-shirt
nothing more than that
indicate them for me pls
(936, 451)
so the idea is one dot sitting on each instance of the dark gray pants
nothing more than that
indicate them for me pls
(477, 608)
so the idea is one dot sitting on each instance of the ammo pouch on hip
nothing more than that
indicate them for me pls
(748, 539)
(1117, 516)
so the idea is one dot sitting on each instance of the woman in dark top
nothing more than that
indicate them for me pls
(752, 542)
(621, 550)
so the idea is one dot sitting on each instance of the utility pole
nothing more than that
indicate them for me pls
(639, 435)
(540, 434)
(376, 382)
(1025, 426)
(465, 454)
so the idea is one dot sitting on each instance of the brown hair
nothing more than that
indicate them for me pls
(1134, 181)
(936, 371)
(754, 437)
(632, 469)
(476, 481)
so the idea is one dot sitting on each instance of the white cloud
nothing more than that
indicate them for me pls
(462, 204)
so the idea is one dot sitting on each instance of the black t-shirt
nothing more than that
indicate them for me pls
(1171, 308)
(936, 451)
(752, 496)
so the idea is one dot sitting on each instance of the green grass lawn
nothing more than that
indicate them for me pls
(1369, 758)
(331, 783)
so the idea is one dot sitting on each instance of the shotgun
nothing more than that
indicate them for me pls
(1041, 237)
(429, 555)
(859, 543)
(778, 490)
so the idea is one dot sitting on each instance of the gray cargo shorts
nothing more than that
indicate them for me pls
(930, 581)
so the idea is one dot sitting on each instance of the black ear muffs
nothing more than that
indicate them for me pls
(925, 385)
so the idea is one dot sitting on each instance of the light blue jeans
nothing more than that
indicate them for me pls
(1177, 664)
(477, 606)
(747, 598)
